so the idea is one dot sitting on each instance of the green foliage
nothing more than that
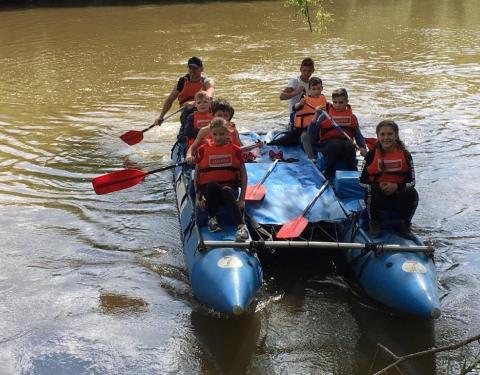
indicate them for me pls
(303, 9)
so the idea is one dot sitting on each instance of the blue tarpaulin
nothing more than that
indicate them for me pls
(289, 188)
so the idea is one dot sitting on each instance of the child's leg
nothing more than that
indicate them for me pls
(307, 144)
(229, 200)
(374, 201)
(332, 151)
(349, 155)
(292, 120)
(406, 202)
(212, 193)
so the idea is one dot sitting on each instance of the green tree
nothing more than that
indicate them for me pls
(309, 10)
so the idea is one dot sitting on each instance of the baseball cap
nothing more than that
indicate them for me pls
(195, 62)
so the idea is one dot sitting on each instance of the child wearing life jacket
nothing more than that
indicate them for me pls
(305, 108)
(220, 108)
(199, 119)
(219, 172)
(334, 145)
(389, 178)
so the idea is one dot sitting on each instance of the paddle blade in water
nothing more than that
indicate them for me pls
(132, 137)
(255, 193)
(293, 228)
(119, 180)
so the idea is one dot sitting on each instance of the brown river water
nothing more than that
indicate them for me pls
(97, 284)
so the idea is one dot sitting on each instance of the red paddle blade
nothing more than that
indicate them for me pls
(255, 193)
(293, 228)
(132, 137)
(119, 180)
(370, 142)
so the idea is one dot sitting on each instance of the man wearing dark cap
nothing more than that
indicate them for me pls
(185, 90)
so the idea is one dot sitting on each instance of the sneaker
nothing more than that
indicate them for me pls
(242, 234)
(213, 225)
(374, 229)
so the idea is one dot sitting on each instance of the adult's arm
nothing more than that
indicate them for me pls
(289, 92)
(210, 87)
(167, 105)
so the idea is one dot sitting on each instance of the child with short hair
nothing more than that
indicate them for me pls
(220, 108)
(305, 108)
(334, 145)
(199, 119)
(219, 172)
(388, 176)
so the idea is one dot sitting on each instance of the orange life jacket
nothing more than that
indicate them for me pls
(304, 115)
(344, 119)
(396, 167)
(219, 164)
(190, 89)
(232, 130)
(200, 120)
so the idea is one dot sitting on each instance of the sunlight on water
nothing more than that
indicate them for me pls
(97, 284)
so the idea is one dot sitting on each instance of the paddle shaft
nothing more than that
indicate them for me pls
(318, 245)
(312, 202)
(268, 172)
(165, 118)
(170, 166)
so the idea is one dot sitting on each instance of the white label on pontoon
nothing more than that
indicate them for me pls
(229, 262)
(413, 266)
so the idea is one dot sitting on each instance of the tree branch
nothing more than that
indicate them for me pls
(433, 350)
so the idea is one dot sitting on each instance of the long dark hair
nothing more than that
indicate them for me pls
(398, 141)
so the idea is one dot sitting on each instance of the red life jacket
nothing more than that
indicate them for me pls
(200, 120)
(344, 119)
(396, 167)
(190, 89)
(232, 131)
(304, 115)
(219, 164)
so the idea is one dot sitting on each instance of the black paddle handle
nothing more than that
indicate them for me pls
(171, 166)
(151, 126)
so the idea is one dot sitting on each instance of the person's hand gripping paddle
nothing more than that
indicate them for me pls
(132, 137)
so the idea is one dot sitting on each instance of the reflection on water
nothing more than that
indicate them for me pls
(97, 284)
(228, 344)
(111, 303)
